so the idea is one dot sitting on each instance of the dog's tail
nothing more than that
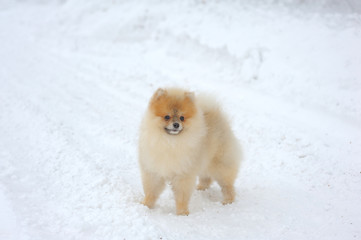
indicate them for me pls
(208, 103)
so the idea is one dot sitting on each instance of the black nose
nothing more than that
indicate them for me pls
(176, 125)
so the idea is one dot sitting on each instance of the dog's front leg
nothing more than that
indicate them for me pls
(153, 186)
(183, 187)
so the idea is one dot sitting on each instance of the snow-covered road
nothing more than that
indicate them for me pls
(75, 78)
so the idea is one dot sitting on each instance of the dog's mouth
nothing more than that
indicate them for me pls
(173, 131)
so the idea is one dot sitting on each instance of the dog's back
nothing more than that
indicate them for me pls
(224, 152)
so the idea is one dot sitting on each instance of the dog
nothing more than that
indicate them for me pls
(182, 137)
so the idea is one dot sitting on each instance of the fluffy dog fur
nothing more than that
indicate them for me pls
(182, 137)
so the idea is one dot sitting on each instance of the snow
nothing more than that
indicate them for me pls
(75, 79)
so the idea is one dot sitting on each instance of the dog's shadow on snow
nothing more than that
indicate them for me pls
(212, 194)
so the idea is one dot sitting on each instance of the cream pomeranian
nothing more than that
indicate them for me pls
(183, 136)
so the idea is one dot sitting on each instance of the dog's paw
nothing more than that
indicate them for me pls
(148, 203)
(183, 212)
(202, 187)
(227, 201)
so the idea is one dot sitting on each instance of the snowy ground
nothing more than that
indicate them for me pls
(75, 78)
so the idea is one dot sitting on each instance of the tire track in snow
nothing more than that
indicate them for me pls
(84, 193)
(80, 185)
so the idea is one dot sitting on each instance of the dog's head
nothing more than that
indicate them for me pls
(174, 109)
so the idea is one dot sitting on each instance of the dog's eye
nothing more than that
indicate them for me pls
(167, 117)
(181, 118)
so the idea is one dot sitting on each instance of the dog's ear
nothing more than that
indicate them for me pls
(159, 93)
(190, 96)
